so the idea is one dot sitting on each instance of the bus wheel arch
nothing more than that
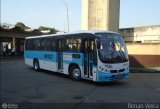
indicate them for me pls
(36, 65)
(74, 71)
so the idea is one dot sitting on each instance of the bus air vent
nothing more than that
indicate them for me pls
(121, 70)
(113, 71)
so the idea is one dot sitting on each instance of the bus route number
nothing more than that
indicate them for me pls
(48, 56)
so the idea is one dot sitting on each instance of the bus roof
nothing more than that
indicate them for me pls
(72, 33)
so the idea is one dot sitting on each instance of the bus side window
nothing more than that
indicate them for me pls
(37, 44)
(28, 44)
(53, 44)
(76, 44)
(48, 44)
(68, 46)
(31, 44)
(43, 43)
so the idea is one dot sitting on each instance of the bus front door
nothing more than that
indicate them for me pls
(88, 58)
(60, 55)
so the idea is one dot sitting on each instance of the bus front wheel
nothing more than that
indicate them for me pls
(75, 72)
(36, 65)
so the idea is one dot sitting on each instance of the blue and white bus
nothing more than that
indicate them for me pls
(100, 56)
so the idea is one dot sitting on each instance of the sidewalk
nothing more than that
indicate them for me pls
(145, 70)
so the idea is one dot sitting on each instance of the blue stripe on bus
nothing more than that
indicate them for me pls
(47, 56)
(52, 56)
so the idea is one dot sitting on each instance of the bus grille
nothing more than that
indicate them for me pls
(116, 71)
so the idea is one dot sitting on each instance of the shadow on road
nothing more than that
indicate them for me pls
(110, 84)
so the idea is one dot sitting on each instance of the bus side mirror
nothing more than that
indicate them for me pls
(98, 44)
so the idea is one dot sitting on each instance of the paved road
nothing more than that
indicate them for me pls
(21, 84)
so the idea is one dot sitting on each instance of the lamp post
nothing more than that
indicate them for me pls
(67, 13)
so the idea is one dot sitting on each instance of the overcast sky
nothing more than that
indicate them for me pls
(52, 13)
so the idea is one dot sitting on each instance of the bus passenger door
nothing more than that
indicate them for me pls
(59, 55)
(88, 57)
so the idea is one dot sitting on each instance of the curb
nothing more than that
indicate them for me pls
(145, 70)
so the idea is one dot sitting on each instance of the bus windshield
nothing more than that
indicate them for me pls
(112, 48)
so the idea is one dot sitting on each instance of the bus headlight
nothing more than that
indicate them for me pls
(127, 69)
(125, 64)
(109, 66)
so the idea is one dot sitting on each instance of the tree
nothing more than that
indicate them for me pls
(22, 26)
(42, 28)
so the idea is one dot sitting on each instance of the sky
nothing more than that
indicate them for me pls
(52, 13)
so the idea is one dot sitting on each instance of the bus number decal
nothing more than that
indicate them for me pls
(48, 56)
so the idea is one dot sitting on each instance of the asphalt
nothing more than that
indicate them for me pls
(21, 84)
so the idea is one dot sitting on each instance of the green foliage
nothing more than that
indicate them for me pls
(27, 27)
(22, 26)
(41, 28)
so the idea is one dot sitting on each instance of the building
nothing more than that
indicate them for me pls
(143, 44)
(100, 15)
(12, 37)
(145, 34)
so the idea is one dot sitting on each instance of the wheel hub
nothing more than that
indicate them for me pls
(76, 73)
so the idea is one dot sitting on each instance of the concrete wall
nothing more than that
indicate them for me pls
(144, 55)
(84, 19)
(100, 15)
(141, 49)
(148, 34)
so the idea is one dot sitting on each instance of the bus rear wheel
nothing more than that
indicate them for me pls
(75, 73)
(36, 65)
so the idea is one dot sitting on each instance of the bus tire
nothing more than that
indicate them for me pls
(75, 72)
(36, 65)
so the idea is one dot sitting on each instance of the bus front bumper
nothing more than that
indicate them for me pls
(106, 77)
